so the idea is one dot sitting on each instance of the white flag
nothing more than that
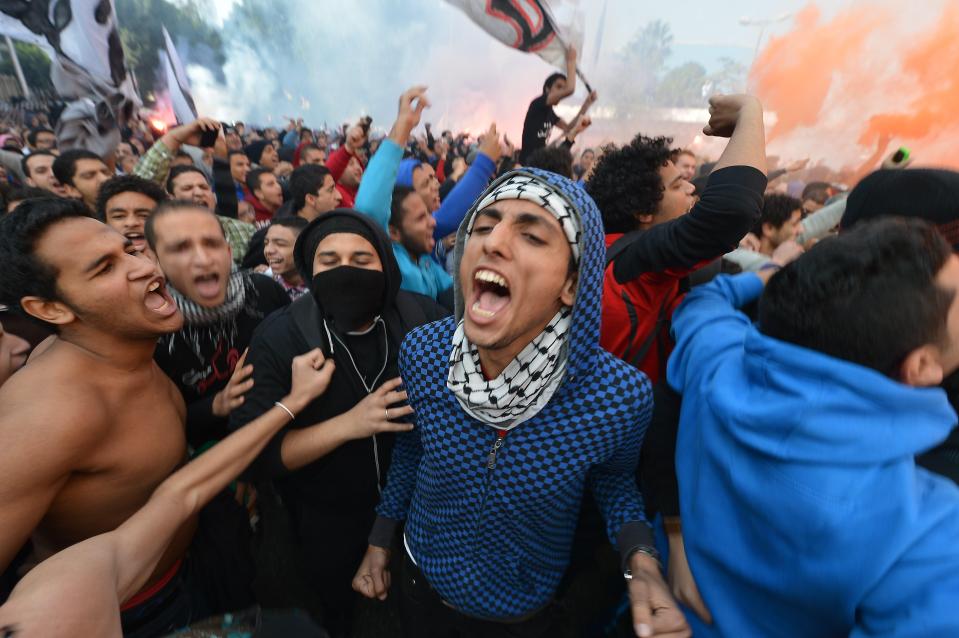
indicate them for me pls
(87, 67)
(543, 27)
(177, 83)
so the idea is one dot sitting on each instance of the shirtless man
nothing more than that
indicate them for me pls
(92, 426)
(86, 583)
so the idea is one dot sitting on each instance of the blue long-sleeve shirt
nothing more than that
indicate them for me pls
(422, 275)
(804, 513)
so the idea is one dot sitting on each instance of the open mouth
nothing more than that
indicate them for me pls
(207, 286)
(139, 241)
(158, 299)
(276, 263)
(491, 294)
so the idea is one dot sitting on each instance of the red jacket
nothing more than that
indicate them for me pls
(337, 163)
(263, 213)
(631, 312)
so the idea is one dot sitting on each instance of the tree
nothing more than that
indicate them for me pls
(730, 78)
(640, 67)
(683, 86)
(33, 61)
(141, 23)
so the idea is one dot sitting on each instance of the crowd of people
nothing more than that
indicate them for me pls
(262, 382)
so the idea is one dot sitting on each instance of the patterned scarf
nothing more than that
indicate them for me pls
(529, 381)
(523, 388)
(196, 316)
(207, 324)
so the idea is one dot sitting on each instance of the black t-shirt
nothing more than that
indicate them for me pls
(200, 362)
(539, 122)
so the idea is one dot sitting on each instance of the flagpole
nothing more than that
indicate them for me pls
(552, 22)
(16, 67)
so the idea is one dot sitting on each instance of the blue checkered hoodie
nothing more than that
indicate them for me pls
(494, 543)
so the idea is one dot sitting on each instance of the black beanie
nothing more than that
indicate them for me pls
(254, 150)
(922, 193)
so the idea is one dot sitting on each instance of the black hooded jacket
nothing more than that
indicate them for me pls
(345, 480)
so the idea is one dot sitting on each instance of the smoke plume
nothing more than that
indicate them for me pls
(864, 80)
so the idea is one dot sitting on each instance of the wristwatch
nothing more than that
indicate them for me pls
(641, 549)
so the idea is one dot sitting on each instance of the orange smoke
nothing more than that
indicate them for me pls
(848, 86)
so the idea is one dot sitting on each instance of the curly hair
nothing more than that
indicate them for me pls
(777, 210)
(626, 181)
(126, 184)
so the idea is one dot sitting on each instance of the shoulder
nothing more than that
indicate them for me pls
(431, 311)
(429, 340)
(272, 295)
(619, 381)
(71, 413)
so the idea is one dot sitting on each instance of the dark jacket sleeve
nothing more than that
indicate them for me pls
(202, 422)
(657, 461)
(272, 380)
(730, 206)
(254, 254)
(224, 188)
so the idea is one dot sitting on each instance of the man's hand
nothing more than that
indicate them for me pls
(191, 133)
(231, 397)
(311, 376)
(655, 613)
(373, 414)
(796, 166)
(411, 106)
(787, 252)
(725, 111)
(490, 146)
(355, 139)
(750, 242)
(373, 576)
(681, 580)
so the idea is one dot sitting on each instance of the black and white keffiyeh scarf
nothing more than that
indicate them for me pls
(202, 323)
(529, 381)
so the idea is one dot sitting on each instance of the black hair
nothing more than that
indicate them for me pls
(126, 184)
(24, 274)
(397, 210)
(183, 154)
(626, 182)
(556, 159)
(173, 206)
(306, 179)
(304, 131)
(816, 191)
(310, 147)
(176, 171)
(777, 210)
(293, 222)
(868, 296)
(25, 162)
(32, 134)
(22, 193)
(230, 155)
(253, 178)
(551, 80)
(65, 166)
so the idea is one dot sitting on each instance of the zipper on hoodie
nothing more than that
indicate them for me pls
(497, 444)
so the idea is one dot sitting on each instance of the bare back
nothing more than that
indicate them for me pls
(87, 444)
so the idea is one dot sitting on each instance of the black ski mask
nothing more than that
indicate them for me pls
(348, 296)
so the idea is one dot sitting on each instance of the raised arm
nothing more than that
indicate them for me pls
(376, 188)
(731, 203)
(155, 163)
(451, 212)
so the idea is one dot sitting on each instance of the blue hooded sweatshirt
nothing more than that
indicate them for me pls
(804, 513)
(494, 543)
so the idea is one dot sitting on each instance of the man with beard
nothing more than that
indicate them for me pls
(38, 170)
(108, 430)
(81, 173)
(190, 184)
(517, 409)
(125, 203)
(416, 226)
(266, 193)
(330, 464)
(221, 309)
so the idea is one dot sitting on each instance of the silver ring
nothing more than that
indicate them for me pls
(387, 414)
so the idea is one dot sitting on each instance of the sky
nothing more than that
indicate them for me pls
(346, 59)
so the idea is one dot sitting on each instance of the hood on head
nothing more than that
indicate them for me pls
(404, 176)
(583, 343)
(254, 150)
(346, 220)
(923, 193)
